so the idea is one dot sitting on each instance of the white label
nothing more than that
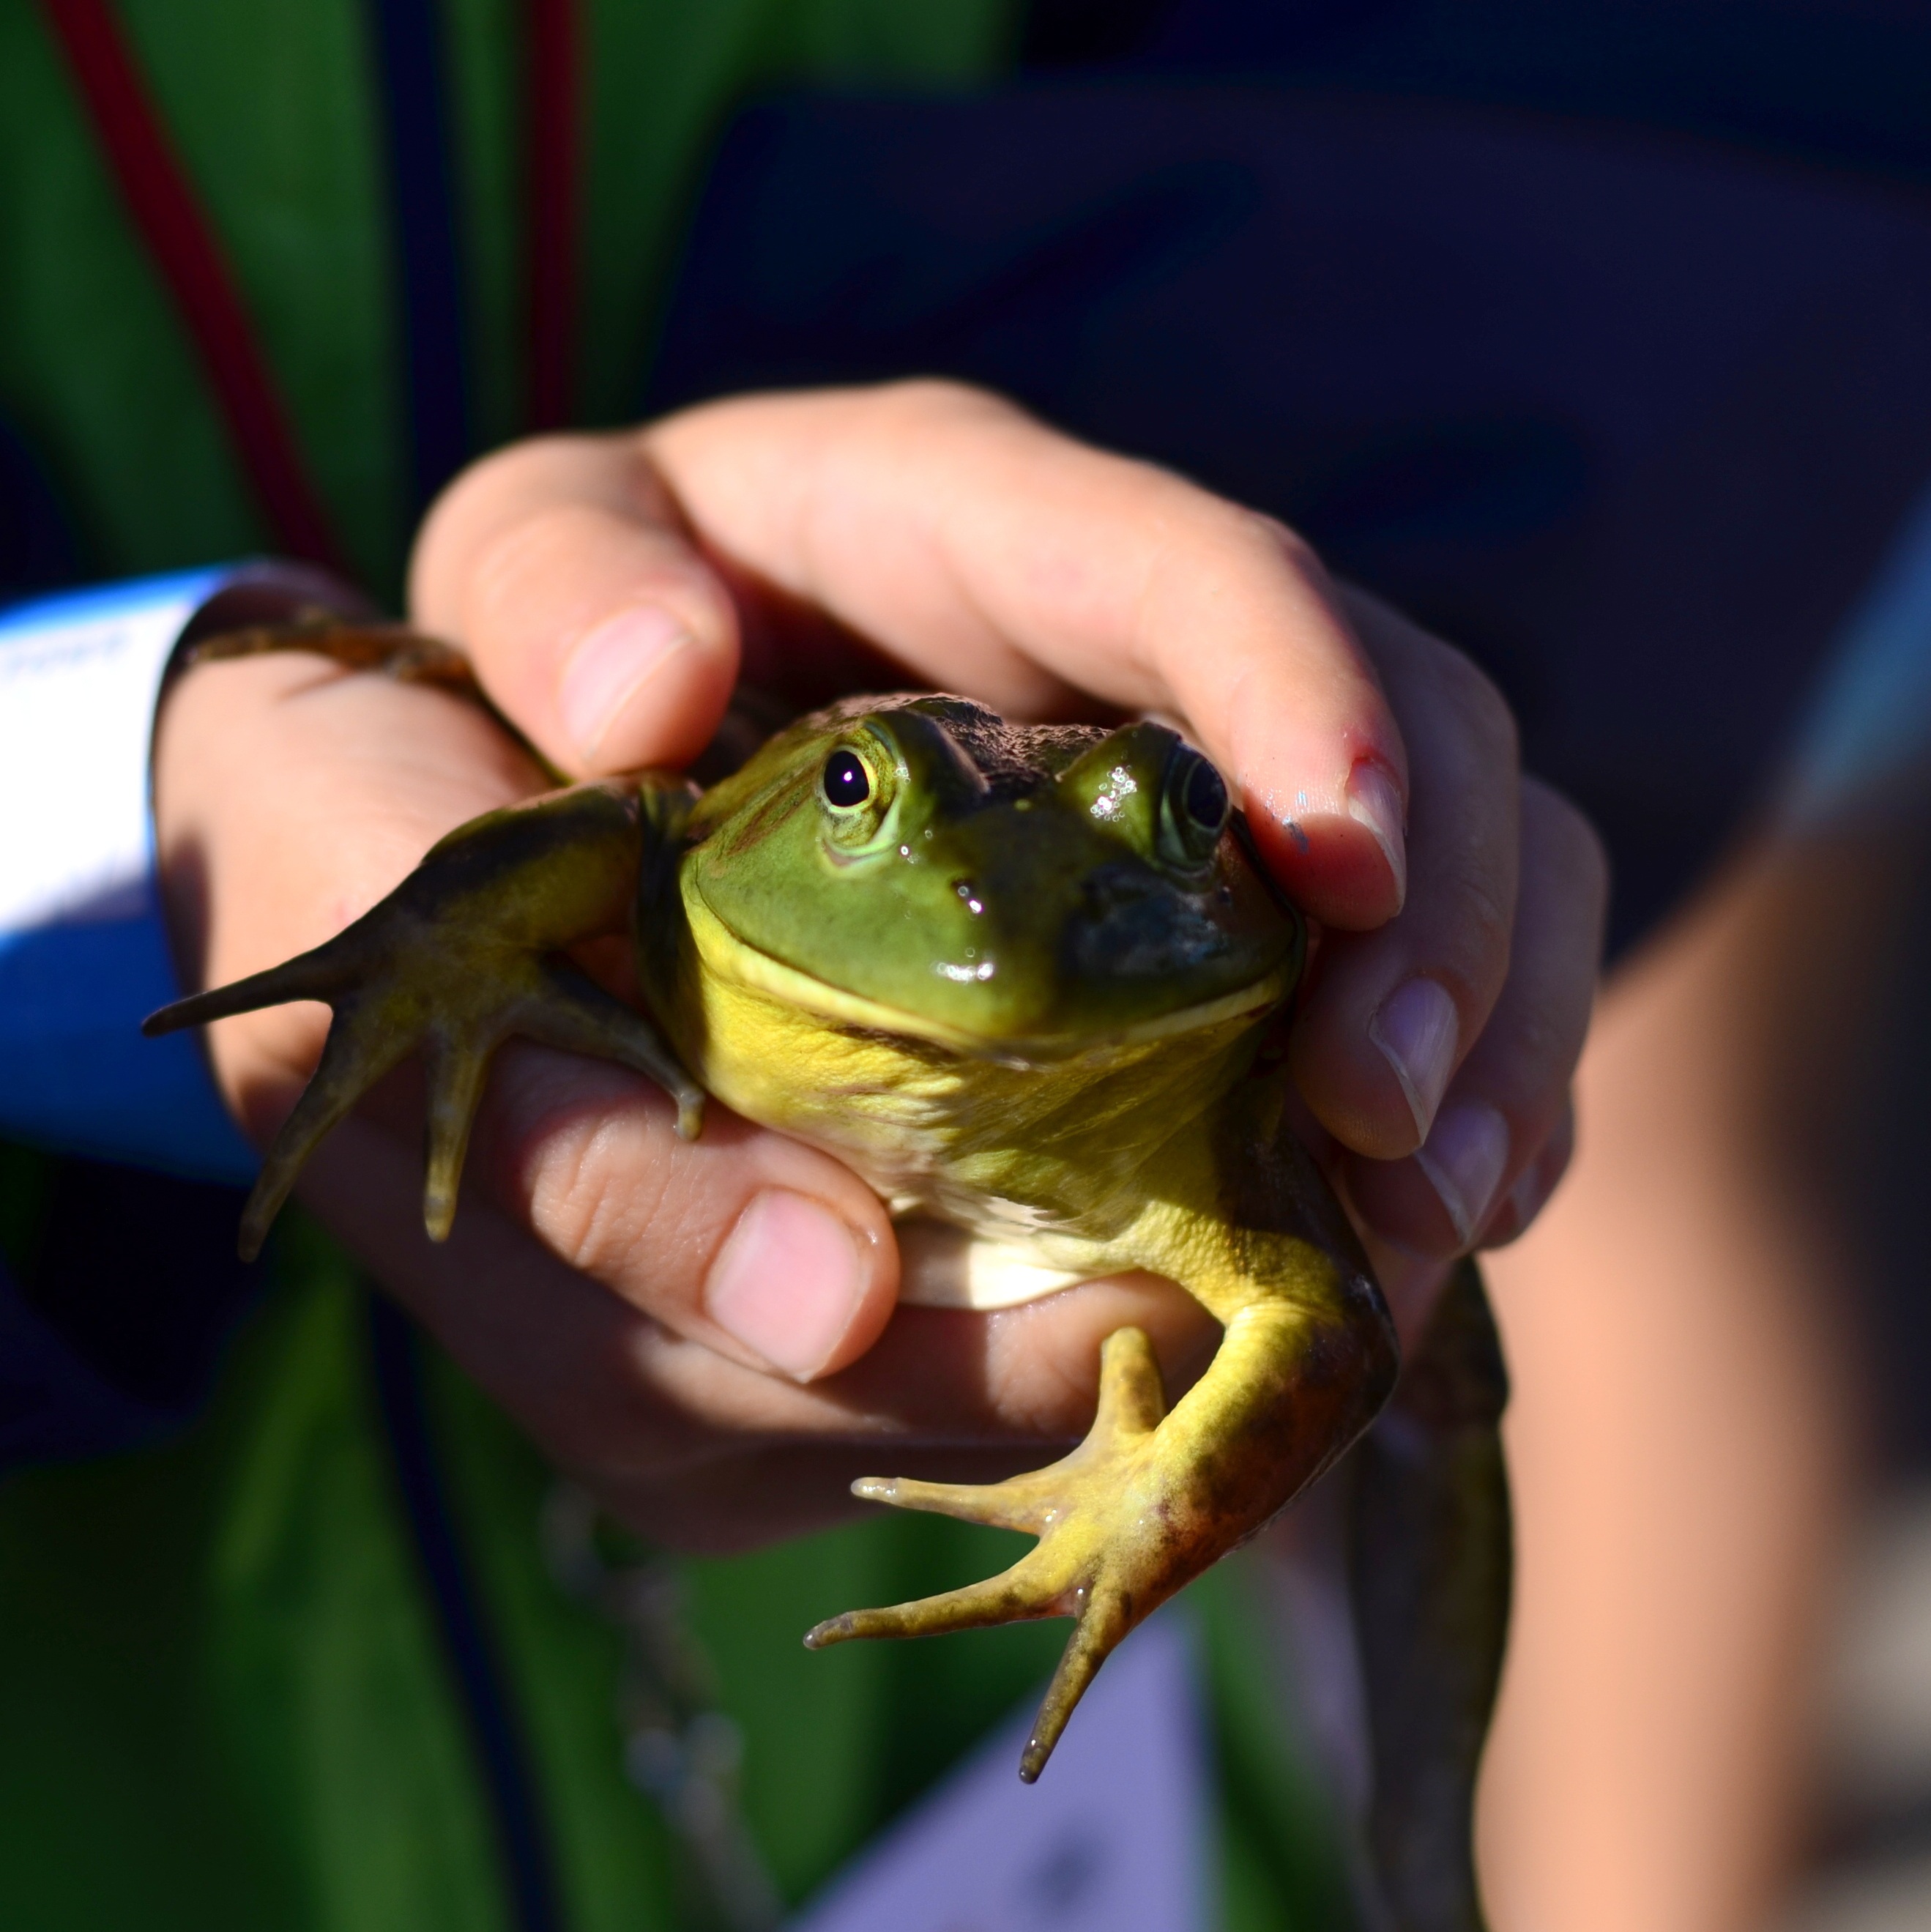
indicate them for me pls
(1113, 1838)
(78, 677)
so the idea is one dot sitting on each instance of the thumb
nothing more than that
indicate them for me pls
(562, 568)
(764, 1249)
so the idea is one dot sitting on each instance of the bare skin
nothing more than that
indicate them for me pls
(1684, 1435)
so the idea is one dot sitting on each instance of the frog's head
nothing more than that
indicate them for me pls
(996, 887)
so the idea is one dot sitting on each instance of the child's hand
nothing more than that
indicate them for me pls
(610, 589)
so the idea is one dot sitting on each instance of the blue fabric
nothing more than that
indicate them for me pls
(76, 1074)
(1867, 744)
(128, 1307)
(95, 602)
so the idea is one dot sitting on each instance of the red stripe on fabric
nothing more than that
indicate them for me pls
(552, 131)
(156, 190)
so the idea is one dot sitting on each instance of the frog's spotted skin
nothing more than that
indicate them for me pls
(1019, 978)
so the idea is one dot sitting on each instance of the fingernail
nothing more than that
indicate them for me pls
(1417, 1030)
(787, 1283)
(1464, 1160)
(609, 665)
(1374, 800)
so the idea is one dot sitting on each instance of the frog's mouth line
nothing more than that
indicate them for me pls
(729, 957)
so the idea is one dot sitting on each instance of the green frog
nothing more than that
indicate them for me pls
(1030, 982)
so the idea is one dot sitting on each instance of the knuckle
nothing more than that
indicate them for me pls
(926, 397)
(526, 551)
(1279, 541)
(1432, 676)
(629, 1225)
(580, 1147)
(1471, 913)
(565, 564)
(502, 473)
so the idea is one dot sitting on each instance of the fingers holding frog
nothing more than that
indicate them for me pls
(980, 551)
(1438, 1049)
(984, 553)
(645, 1304)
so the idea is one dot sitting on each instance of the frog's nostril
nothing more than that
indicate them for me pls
(969, 893)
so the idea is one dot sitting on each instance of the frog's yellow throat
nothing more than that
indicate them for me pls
(954, 1132)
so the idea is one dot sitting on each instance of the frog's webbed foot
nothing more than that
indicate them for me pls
(461, 956)
(1109, 1552)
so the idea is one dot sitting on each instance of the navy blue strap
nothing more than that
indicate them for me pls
(521, 1837)
(408, 34)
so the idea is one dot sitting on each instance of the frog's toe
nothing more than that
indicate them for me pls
(562, 1007)
(1028, 1590)
(1103, 1622)
(466, 953)
(456, 1069)
(319, 975)
(566, 1009)
(1105, 1556)
(350, 1064)
(1025, 1502)
(396, 1011)
(1044, 1583)
(1132, 1402)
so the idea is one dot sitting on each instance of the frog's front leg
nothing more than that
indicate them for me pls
(1238, 1214)
(465, 953)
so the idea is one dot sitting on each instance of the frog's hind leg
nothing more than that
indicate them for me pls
(1063, 1574)
(1432, 1562)
(462, 954)
(398, 651)
(1239, 1215)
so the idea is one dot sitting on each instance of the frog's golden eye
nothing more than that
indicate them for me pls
(1194, 809)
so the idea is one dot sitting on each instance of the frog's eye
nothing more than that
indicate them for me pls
(1194, 809)
(845, 782)
(859, 786)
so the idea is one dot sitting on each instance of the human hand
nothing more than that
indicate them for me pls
(290, 796)
(817, 521)
(611, 590)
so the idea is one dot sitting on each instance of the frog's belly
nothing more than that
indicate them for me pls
(942, 1266)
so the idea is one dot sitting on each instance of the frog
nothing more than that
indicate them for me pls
(1032, 981)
